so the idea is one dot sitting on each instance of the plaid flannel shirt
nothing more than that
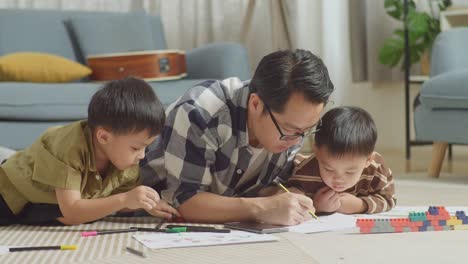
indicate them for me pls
(204, 146)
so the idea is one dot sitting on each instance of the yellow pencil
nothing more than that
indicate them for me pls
(286, 190)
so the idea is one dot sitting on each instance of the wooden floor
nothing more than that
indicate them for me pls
(417, 167)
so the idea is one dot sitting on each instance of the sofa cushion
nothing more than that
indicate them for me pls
(68, 15)
(446, 90)
(446, 125)
(30, 30)
(157, 33)
(21, 134)
(169, 91)
(40, 67)
(45, 101)
(100, 35)
(56, 102)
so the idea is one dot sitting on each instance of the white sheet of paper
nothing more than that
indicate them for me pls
(4, 250)
(178, 240)
(332, 222)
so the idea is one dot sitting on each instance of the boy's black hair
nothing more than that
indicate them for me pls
(347, 130)
(282, 73)
(126, 106)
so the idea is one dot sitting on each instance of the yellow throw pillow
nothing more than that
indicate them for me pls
(40, 67)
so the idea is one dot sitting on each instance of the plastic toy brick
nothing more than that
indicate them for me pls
(416, 224)
(383, 222)
(435, 219)
(383, 229)
(454, 221)
(366, 223)
(444, 213)
(461, 216)
(430, 217)
(399, 222)
(442, 217)
(433, 210)
(460, 227)
(365, 230)
(426, 223)
(442, 209)
(406, 229)
(417, 216)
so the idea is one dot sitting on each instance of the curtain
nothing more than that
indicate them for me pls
(369, 26)
(258, 24)
(342, 33)
(264, 26)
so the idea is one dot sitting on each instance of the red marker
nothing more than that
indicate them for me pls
(106, 232)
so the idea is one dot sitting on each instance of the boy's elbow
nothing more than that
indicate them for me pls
(70, 221)
(70, 216)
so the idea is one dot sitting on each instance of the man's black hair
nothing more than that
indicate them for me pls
(347, 130)
(126, 106)
(282, 73)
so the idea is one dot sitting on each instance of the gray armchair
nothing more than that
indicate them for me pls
(442, 116)
(27, 109)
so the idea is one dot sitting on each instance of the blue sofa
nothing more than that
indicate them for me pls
(27, 109)
(442, 115)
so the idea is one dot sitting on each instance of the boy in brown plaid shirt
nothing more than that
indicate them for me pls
(345, 174)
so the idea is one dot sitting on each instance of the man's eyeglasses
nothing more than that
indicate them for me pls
(306, 133)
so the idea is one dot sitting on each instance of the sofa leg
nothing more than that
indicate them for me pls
(438, 155)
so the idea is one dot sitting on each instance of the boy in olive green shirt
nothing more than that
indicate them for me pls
(89, 169)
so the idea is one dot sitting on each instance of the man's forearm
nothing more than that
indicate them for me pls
(213, 208)
(274, 190)
(270, 191)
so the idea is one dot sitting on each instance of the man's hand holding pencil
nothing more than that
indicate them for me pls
(285, 209)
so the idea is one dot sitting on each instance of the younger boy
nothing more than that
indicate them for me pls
(345, 175)
(87, 170)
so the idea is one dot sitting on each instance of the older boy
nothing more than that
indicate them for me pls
(87, 170)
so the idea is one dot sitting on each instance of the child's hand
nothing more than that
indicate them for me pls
(163, 210)
(141, 197)
(326, 200)
(351, 204)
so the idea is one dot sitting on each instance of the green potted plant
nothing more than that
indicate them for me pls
(423, 28)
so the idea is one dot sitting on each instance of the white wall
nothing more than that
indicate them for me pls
(385, 102)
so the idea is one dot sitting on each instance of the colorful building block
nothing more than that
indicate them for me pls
(436, 218)
(454, 221)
